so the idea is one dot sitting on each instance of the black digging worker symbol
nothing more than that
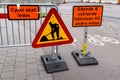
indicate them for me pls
(55, 29)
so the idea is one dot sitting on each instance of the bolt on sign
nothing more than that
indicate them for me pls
(25, 12)
(85, 16)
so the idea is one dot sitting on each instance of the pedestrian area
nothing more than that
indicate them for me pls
(24, 62)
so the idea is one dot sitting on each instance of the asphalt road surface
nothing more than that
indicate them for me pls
(103, 43)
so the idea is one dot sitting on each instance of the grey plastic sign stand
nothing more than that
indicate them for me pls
(84, 59)
(54, 62)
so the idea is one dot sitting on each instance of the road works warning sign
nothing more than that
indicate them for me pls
(52, 32)
(25, 12)
(87, 16)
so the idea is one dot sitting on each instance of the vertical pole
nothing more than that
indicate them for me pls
(52, 2)
(100, 1)
(88, 1)
(64, 1)
(22, 1)
(54, 52)
(24, 32)
(84, 49)
(19, 32)
(7, 35)
(118, 1)
(13, 32)
(1, 33)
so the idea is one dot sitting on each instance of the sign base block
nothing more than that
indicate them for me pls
(54, 65)
(83, 60)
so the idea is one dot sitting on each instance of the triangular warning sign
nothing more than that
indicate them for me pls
(52, 32)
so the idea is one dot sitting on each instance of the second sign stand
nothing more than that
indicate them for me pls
(86, 16)
(82, 56)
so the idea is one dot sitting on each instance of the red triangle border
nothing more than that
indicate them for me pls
(55, 12)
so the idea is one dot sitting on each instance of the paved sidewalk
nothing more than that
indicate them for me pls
(22, 63)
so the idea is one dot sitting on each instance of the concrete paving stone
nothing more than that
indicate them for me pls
(20, 76)
(20, 54)
(38, 54)
(20, 64)
(9, 48)
(1, 71)
(41, 67)
(20, 70)
(21, 48)
(38, 50)
(20, 59)
(32, 71)
(12, 50)
(2, 60)
(11, 54)
(30, 56)
(3, 49)
(47, 78)
(21, 51)
(33, 77)
(6, 79)
(32, 66)
(44, 74)
(38, 58)
(39, 62)
(9, 63)
(29, 49)
(7, 75)
(11, 58)
(29, 52)
(2, 56)
(1, 66)
(32, 60)
(3, 52)
(8, 68)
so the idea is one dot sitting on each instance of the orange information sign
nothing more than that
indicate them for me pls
(25, 12)
(85, 16)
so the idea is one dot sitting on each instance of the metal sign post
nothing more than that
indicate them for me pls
(84, 49)
(54, 52)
